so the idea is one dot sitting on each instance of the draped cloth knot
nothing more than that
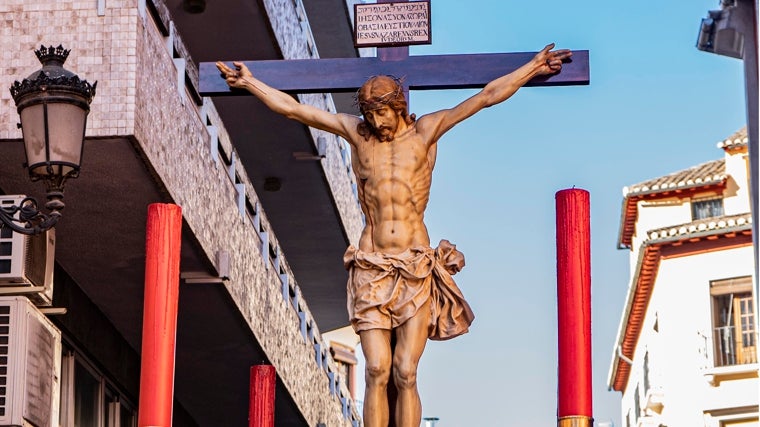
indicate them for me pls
(386, 290)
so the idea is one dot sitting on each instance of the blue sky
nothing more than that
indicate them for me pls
(655, 105)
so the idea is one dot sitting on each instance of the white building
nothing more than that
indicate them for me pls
(685, 352)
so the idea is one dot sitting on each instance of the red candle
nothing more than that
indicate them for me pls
(162, 247)
(261, 407)
(574, 305)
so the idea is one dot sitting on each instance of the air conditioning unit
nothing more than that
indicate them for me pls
(26, 262)
(30, 366)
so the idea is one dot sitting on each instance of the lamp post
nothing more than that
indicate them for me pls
(732, 31)
(52, 104)
(430, 421)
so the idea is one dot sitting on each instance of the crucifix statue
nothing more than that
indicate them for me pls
(400, 289)
(397, 283)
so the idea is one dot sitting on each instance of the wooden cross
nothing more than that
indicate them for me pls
(420, 72)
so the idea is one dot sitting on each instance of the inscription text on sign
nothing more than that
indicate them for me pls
(392, 24)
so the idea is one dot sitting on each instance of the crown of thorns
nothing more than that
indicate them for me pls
(376, 102)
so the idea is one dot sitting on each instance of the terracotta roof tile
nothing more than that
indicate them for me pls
(738, 139)
(712, 172)
(722, 224)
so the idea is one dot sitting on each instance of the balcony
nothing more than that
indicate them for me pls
(734, 347)
(734, 355)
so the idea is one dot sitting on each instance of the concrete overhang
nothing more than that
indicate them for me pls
(303, 211)
(101, 238)
(100, 244)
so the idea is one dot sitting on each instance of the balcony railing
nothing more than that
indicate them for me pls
(734, 347)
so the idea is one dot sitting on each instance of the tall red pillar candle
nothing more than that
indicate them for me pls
(261, 406)
(574, 306)
(162, 248)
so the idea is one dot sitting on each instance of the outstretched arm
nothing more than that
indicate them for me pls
(496, 91)
(282, 103)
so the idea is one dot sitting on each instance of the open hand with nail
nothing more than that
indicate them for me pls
(549, 61)
(234, 77)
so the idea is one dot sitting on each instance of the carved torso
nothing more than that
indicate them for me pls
(393, 180)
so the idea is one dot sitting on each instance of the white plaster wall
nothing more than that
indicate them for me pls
(681, 305)
(654, 215)
(737, 193)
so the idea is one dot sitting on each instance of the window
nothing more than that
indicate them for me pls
(733, 322)
(88, 399)
(748, 422)
(127, 416)
(732, 417)
(118, 413)
(701, 209)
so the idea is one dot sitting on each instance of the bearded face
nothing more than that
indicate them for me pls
(383, 122)
(382, 103)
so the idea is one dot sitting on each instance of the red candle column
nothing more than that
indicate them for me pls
(261, 406)
(162, 247)
(574, 308)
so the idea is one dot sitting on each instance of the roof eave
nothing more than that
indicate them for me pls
(614, 368)
(649, 257)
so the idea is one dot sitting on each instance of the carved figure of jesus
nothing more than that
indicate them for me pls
(399, 287)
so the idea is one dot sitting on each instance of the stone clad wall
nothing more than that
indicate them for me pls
(103, 49)
(170, 130)
(291, 28)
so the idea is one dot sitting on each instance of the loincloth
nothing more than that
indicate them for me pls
(386, 290)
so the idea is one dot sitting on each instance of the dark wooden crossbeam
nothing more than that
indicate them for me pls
(420, 72)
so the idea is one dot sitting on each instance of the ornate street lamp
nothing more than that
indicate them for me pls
(53, 104)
